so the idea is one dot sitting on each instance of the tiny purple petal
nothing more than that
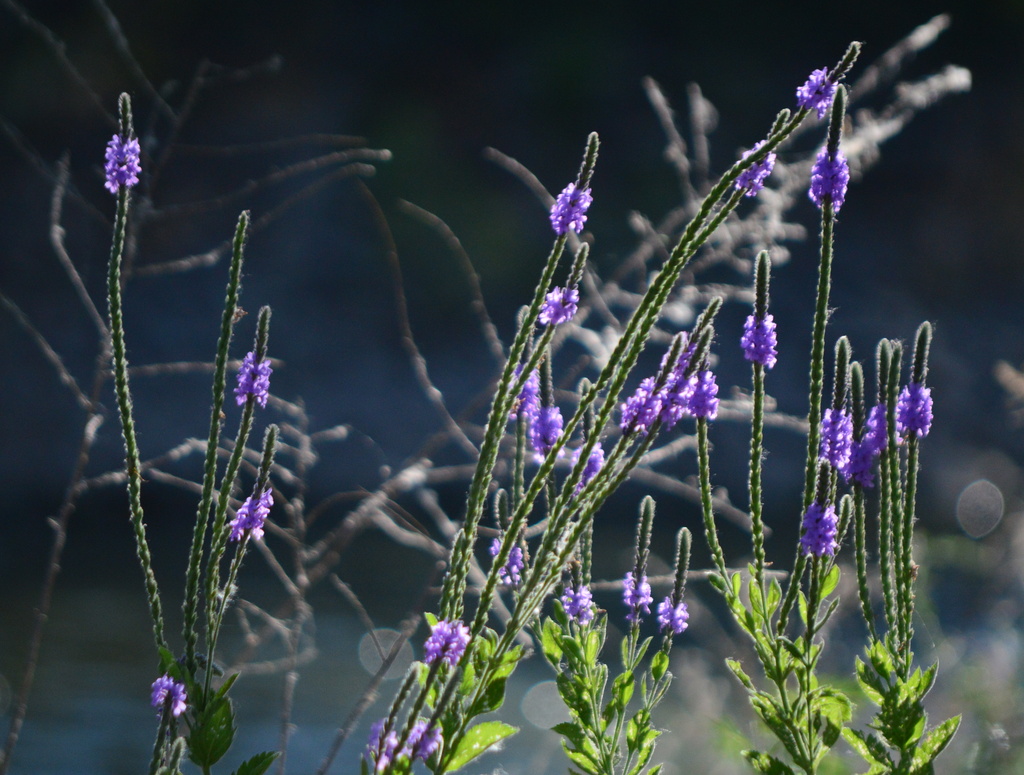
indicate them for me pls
(253, 380)
(528, 401)
(914, 411)
(876, 429)
(122, 166)
(829, 178)
(673, 618)
(753, 177)
(860, 469)
(447, 641)
(560, 305)
(820, 528)
(570, 209)
(579, 604)
(759, 341)
(169, 694)
(817, 93)
(422, 741)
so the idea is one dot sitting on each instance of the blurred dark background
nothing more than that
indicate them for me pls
(933, 232)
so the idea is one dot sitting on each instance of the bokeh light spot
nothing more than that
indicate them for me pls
(979, 508)
(542, 706)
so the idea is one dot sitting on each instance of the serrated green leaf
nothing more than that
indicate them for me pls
(475, 742)
(870, 683)
(766, 763)
(571, 732)
(212, 733)
(717, 582)
(573, 653)
(257, 764)
(934, 743)
(592, 647)
(226, 686)
(659, 665)
(870, 748)
(581, 760)
(756, 599)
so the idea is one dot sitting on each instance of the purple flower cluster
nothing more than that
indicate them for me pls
(867, 448)
(679, 396)
(511, 573)
(914, 411)
(560, 305)
(570, 209)
(169, 694)
(528, 401)
(637, 596)
(421, 742)
(830, 176)
(122, 166)
(753, 177)
(251, 515)
(836, 438)
(673, 618)
(820, 528)
(544, 430)
(591, 468)
(447, 641)
(759, 341)
(578, 604)
(817, 93)
(253, 380)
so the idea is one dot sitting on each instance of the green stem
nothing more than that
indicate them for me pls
(133, 463)
(189, 607)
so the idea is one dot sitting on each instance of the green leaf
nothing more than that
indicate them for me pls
(258, 764)
(475, 742)
(581, 760)
(551, 642)
(212, 733)
(622, 691)
(774, 596)
(766, 763)
(756, 599)
(223, 690)
(870, 748)
(573, 653)
(830, 582)
(870, 683)
(659, 665)
(592, 647)
(737, 670)
(431, 619)
(836, 710)
(717, 582)
(934, 743)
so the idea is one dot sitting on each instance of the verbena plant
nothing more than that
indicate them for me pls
(541, 477)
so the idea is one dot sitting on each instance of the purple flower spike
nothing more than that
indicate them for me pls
(591, 468)
(122, 165)
(253, 380)
(876, 431)
(753, 177)
(169, 694)
(528, 401)
(579, 604)
(817, 92)
(860, 468)
(381, 751)
(836, 438)
(545, 428)
(759, 341)
(422, 741)
(673, 618)
(447, 641)
(511, 574)
(636, 596)
(702, 400)
(559, 306)
(570, 209)
(914, 411)
(641, 409)
(829, 177)
(251, 516)
(820, 528)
